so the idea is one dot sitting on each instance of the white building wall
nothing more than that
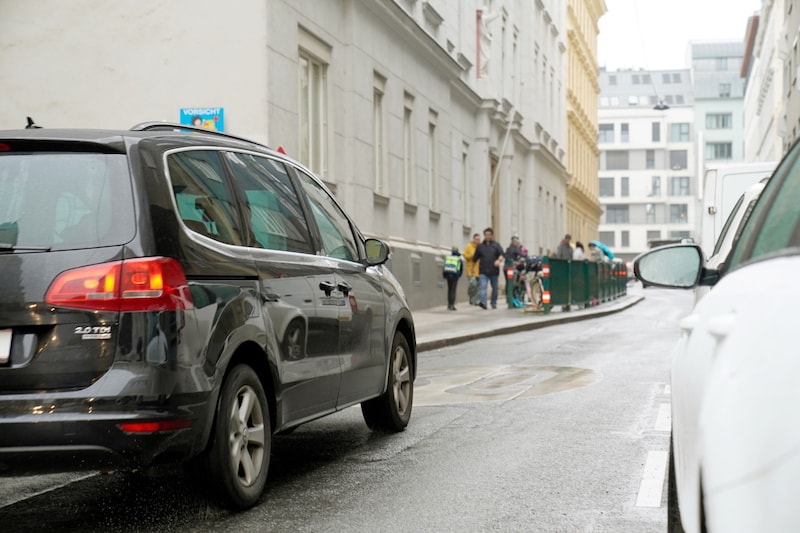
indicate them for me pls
(92, 63)
(763, 105)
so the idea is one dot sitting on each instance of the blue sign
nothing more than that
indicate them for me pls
(210, 118)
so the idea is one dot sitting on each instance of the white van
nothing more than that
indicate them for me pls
(724, 184)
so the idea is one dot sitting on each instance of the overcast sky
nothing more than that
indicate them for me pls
(653, 34)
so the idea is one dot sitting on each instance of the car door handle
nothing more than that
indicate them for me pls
(327, 286)
(345, 288)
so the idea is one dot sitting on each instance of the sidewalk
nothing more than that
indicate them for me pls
(437, 327)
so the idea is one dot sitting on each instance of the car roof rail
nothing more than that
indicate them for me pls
(174, 126)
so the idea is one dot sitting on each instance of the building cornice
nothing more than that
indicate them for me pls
(399, 20)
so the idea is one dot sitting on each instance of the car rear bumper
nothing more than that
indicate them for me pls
(52, 434)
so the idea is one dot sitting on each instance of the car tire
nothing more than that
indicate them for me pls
(674, 524)
(391, 411)
(237, 459)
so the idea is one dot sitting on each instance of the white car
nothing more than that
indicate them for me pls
(730, 232)
(735, 448)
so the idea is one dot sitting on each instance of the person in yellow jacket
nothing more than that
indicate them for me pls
(473, 281)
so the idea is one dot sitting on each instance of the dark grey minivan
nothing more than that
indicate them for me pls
(169, 294)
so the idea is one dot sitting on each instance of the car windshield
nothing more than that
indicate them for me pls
(64, 201)
(728, 224)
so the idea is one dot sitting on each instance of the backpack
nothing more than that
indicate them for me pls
(452, 264)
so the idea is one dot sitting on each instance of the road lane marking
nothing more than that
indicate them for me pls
(36, 493)
(664, 418)
(652, 485)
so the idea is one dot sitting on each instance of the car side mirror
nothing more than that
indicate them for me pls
(377, 252)
(678, 266)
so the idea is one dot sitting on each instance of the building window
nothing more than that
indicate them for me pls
(612, 80)
(678, 214)
(607, 238)
(313, 112)
(719, 121)
(650, 159)
(722, 63)
(724, 90)
(624, 186)
(635, 79)
(379, 148)
(625, 238)
(679, 186)
(679, 132)
(617, 214)
(409, 181)
(617, 160)
(655, 186)
(676, 77)
(679, 99)
(678, 159)
(668, 99)
(650, 213)
(433, 177)
(680, 234)
(719, 150)
(656, 127)
(665, 77)
(606, 187)
(606, 133)
(646, 78)
(623, 133)
(653, 235)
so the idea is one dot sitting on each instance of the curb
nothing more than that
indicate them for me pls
(426, 346)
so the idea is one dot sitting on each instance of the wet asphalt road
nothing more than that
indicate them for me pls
(547, 430)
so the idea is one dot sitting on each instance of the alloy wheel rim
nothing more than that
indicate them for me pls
(401, 380)
(247, 435)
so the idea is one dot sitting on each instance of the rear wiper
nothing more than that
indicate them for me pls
(4, 246)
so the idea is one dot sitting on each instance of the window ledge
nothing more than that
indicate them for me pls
(410, 209)
(434, 216)
(379, 199)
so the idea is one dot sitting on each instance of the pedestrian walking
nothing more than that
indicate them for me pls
(578, 254)
(473, 281)
(489, 256)
(564, 250)
(451, 270)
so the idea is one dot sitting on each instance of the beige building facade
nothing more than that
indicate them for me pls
(583, 206)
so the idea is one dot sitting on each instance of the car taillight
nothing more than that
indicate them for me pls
(146, 284)
(154, 427)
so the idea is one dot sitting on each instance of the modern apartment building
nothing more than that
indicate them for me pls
(429, 119)
(648, 163)
(718, 91)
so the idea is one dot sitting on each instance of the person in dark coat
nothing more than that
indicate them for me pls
(564, 250)
(452, 268)
(489, 255)
(513, 251)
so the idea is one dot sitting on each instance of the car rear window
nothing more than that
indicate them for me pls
(65, 200)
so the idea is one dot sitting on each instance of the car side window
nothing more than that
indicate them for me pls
(276, 218)
(775, 221)
(205, 203)
(337, 235)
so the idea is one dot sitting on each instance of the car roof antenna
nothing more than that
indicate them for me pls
(31, 124)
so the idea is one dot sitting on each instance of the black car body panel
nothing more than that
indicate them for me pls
(317, 329)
